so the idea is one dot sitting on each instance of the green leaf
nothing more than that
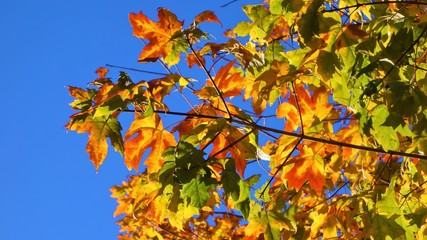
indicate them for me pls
(268, 223)
(308, 25)
(197, 191)
(83, 98)
(382, 227)
(327, 62)
(110, 106)
(230, 179)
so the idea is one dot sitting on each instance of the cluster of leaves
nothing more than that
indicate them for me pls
(347, 83)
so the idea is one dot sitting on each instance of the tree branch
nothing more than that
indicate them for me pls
(373, 3)
(292, 134)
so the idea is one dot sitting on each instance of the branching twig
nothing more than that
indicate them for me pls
(233, 143)
(372, 3)
(210, 78)
(327, 199)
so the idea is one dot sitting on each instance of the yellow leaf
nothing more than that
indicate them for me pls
(149, 134)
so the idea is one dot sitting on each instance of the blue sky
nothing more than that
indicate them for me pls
(49, 188)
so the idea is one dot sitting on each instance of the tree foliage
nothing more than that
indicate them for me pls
(333, 94)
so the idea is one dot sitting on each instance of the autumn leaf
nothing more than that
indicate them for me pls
(308, 167)
(228, 79)
(338, 91)
(159, 34)
(101, 72)
(206, 16)
(98, 130)
(237, 143)
(195, 58)
(83, 98)
(143, 134)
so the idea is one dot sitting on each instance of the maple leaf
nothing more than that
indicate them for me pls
(98, 130)
(228, 79)
(159, 34)
(308, 167)
(229, 82)
(101, 72)
(192, 59)
(313, 108)
(238, 144)
(83, 98)
(149, 134)
(206, 16)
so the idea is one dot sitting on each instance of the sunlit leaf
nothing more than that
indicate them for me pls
(143, 134)
(98, 129)
(159, 34)
(206, 16)
(308, 167)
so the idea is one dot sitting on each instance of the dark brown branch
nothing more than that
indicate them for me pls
(228, 214)
(292, 134)
(373, 3)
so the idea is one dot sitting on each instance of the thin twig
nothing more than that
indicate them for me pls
(372, 3)
(210, 78)
(280, 167)
(233, 143)
(329, 198)
(177, 88)
(225, 5)
(298, 107)
(136, 70)
(228, 214)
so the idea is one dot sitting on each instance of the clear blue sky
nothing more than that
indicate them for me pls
(49, 188)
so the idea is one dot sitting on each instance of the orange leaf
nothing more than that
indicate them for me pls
(98, 130)
(290, 112)
(308, 167)
(158, 33)
(187, 125)
(231, 141)
(206, 16)
(149, 134)
(192, 59)
(101, 72)
(313, 108)
(230, 84)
